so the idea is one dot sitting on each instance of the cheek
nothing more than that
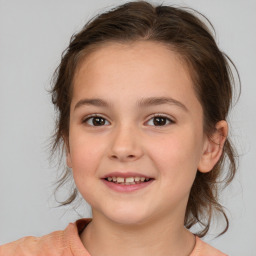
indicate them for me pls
(177, 151)
(177, 155)
(85, 155)
(85, 162)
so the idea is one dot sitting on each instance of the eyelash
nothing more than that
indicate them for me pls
(168, 120)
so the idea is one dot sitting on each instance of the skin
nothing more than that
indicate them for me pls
(149, 221)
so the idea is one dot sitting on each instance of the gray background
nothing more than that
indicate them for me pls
(32, 36)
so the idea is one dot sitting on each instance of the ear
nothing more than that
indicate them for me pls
(213, 147)
(67, 150)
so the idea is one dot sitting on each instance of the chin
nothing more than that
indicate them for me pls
(129, 218)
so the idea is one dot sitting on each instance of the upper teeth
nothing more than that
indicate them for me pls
(128, 180)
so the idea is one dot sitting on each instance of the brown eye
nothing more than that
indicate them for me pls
(96, 121)
(159, 121)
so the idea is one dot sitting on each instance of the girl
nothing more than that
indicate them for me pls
(142, 94)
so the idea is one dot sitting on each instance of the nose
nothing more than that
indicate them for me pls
(125, 145)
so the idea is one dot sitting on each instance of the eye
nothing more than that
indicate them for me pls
(96, 121)
(159, 120)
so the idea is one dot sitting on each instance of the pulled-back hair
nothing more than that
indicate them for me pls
(188, 36)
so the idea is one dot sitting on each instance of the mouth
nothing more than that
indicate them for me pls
(128, 180)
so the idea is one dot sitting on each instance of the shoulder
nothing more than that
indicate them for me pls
(59, 243)
(204, 249)
(50, 244)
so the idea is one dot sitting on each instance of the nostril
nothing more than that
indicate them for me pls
(118, 157)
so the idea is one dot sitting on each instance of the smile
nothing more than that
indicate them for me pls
(128, 180)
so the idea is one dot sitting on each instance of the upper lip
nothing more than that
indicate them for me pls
(125, 175)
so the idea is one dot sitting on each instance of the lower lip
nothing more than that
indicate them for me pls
(126, 188)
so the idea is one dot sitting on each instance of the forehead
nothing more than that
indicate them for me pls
(126, 52)
(148, 68)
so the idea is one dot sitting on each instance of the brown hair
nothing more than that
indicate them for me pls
(186, 34)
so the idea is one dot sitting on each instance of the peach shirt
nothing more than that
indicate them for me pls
(68, 243)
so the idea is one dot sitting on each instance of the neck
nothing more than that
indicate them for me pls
(162, 237)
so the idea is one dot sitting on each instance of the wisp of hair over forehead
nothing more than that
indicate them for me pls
(182, 31)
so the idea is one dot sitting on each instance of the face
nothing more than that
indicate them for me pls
(136, 132)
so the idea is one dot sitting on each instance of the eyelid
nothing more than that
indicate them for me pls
(171, 119)
(86, 118)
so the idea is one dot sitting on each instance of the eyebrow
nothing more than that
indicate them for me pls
(152, 101)
(144, 102)
(93, 102)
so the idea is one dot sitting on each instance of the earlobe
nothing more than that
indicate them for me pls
(68, 160)
(213, 147)
(68, 156)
